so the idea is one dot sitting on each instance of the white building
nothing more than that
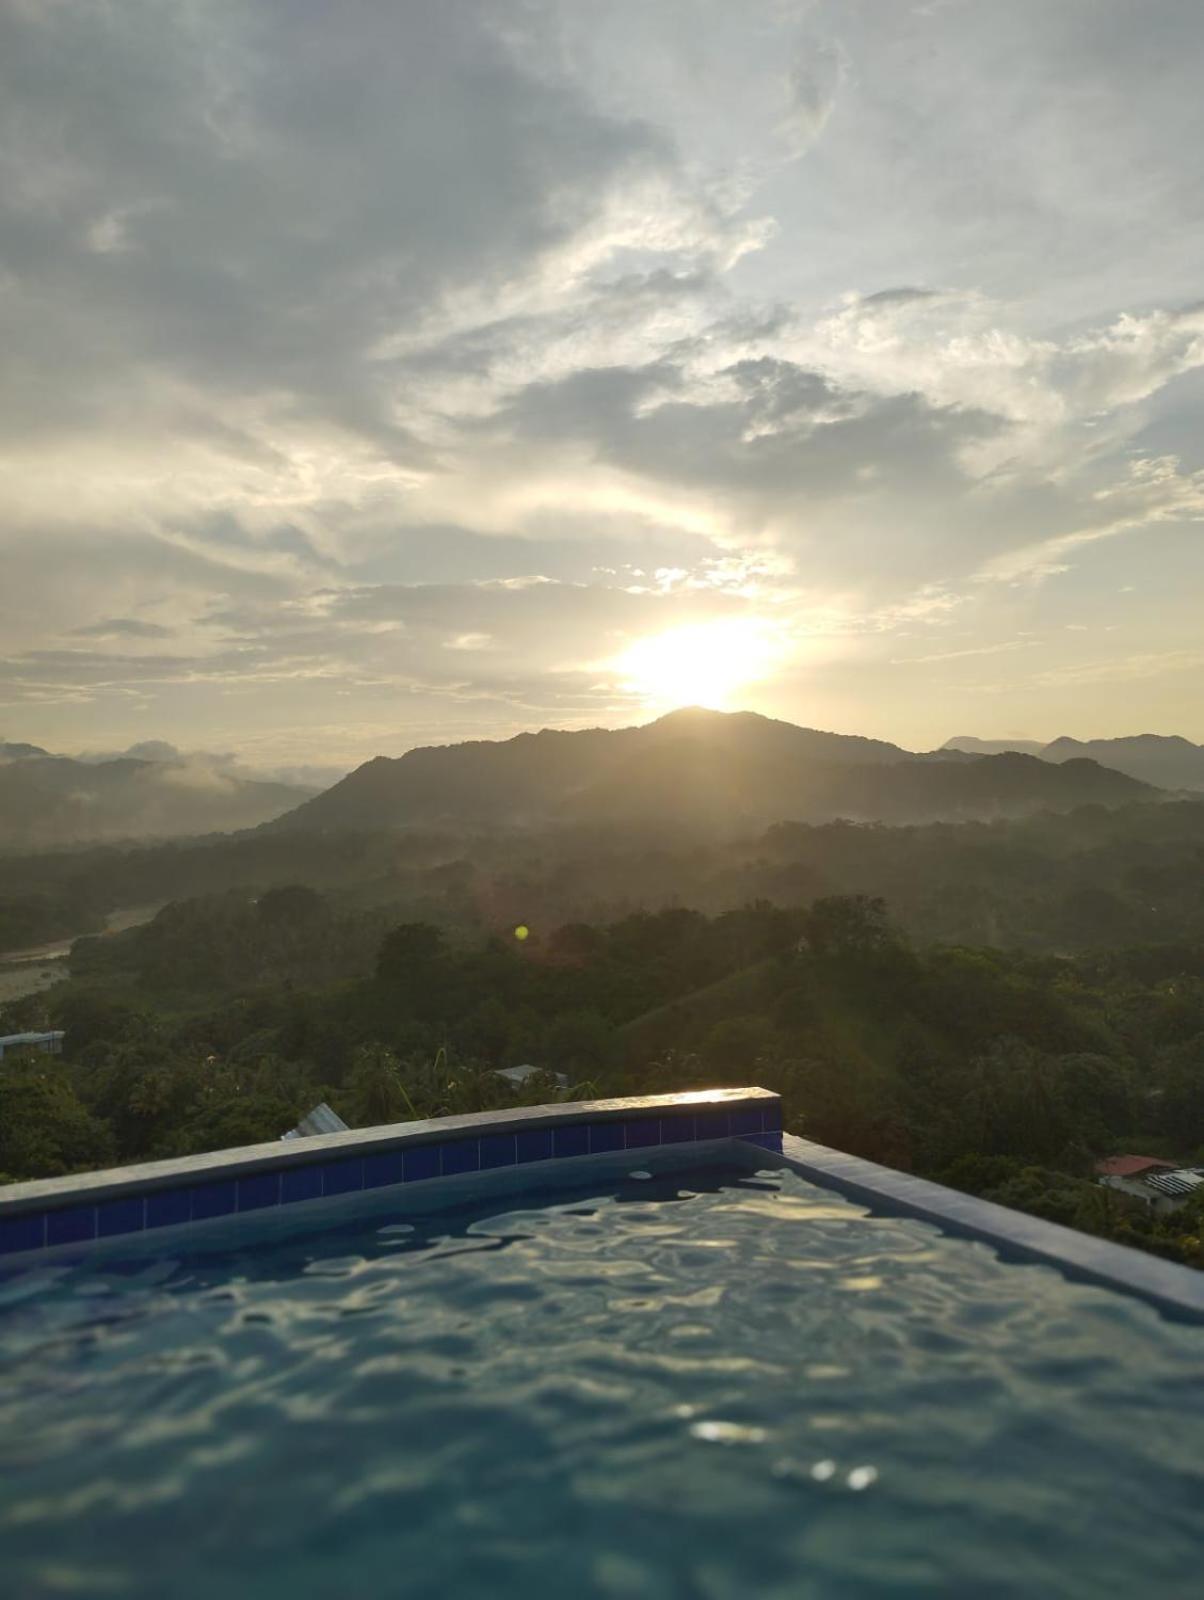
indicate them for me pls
(50, 1044)
(1160, 1184)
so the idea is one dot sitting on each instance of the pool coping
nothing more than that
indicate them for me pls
(1170, 1285)
(89, 1207)
(51, 1214)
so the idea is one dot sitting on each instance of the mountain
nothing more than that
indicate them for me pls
(1167, 761)
(684, 780)
(19, 752)
(703, 769)
(311, 777)
(51, 801)
(968, 745)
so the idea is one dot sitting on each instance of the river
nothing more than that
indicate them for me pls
(30, 971)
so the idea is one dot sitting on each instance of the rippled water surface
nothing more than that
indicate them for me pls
(702, 1384)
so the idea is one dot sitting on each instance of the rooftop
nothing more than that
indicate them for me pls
(1131, 1166)
(1178, 1184)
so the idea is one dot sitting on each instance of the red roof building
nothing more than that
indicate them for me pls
(1131, 1166)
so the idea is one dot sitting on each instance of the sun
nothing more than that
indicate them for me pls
(706, 664)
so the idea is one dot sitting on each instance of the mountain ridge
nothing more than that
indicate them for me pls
(1167, 761)
(49, 802)
(713, 770)
(20, 752)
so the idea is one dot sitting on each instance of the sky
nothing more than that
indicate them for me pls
(396, 372)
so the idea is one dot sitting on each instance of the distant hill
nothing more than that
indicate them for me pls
(703, 769)
(1165, 760)
(51, 801)
(992, 747)
(20, 752)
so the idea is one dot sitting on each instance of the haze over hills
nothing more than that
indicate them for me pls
(1166, 761)
(307, 775)
(718, 772)
(19, 752)
(51, 801)
(707, 769)
(967, 744)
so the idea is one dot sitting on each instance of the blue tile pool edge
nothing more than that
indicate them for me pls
(72, 1212)
(129, 1205)
(1175, 1289)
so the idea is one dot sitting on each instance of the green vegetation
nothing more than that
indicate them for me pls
(1092, 878)
(718, 773)
(35, 919)
(1004, 1073)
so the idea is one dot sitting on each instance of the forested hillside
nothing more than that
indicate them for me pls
(1006, 1073)
(1049, 882)
(715, 772)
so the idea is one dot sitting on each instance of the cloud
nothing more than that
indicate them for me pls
(961, 655)
(212, 770)
(122, 627)
(1144, 664)
(1152, 491)
(815, 81)
(144, 750)
(328, 331)
(765, 429)
(320, 183)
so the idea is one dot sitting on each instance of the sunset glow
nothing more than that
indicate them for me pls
(709, 664)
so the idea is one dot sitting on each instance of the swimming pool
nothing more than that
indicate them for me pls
(668, 1375)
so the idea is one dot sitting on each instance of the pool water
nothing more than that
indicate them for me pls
(689, 1385)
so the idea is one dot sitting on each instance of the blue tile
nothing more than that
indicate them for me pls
(677, 1129)
(385, 1169)
(422, 1162)
(497, 1150)
(643, 1133)
(771, 1116)
(745, 1120)
(571, 1141)
(300, 1183)
(712, 1124)
(254, 1194)
(120, 1216)
(71, 1225)
(604, 1136)
(343, 1177)
(26, 1232)
(462, 1155)
(767, 1141)
(214, 1200)
(167, 1207)
(534, 1145)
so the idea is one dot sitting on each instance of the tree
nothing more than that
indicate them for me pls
(374, 1092)
(1181, 1105)
(732, 1048)
(291, 905)
(842, 926)
(96, 1016)
(577, 1042)
(45, 1129)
